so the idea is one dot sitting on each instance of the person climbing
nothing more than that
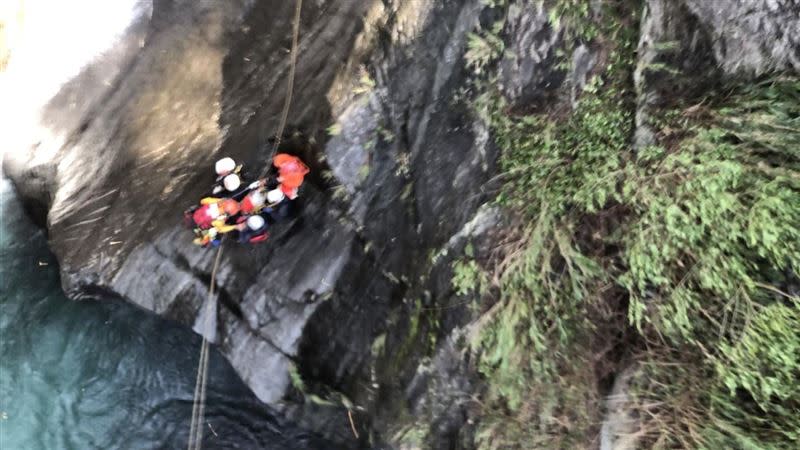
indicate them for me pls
(213, 218)
(245, 208)
(278, 205)
(255, 199)
(291, 172)
(253, 229)
(215, 212)
(229, 182)
(279, 191)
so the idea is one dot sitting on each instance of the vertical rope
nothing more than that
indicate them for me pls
(199, 401)
(289, 87)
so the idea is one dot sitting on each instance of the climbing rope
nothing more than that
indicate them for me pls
(199, 400)
(290, 86)
(198, 403)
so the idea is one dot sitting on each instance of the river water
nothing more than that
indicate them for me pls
(104, 374)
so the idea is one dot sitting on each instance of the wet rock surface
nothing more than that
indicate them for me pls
(527, 71)
(196, 80)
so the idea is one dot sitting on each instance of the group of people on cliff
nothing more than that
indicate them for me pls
(245, 210)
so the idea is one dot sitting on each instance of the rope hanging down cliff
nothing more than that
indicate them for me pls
(289, 86)
(198, 404)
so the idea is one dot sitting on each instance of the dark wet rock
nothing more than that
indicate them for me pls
(420, 370)
(583, 62)
(349, 150)
(533, 72)
(671, 40)
(442, 392)
(528, 69)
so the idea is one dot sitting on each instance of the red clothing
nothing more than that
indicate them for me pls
(247, 205)
(291, 171)
(202, 218)
(289, 191)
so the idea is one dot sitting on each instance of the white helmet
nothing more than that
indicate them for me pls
(255, 222)
(257, 198)
(231, 182)
(213, 210)
(275, 196)
(225, 166)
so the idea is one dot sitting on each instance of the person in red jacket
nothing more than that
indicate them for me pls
(214, 212)
(212, 219)
(291, 171)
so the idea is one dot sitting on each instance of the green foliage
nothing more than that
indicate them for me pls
(708, 228)
(558, 170)
(411, 437)
(365, 83)
(378, 345)
(715, 230)
(661, 67)
(588, 146)
(714, 213)
(705, 236)
(766, 361)
(763, 366)
(418, 327)
(742, 397)
(468, 277)
(483, 48)
(563, 169)
(334, 130)
(363, 172)
(563, 417)
(575, 17)
(717, 224)
(296, 379)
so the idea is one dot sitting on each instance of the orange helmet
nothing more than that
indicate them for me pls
(230, 206)
(287, 164)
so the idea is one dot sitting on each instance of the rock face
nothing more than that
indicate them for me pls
(619, 430)
(399, 176)
(527, 70)
(705, 42)
(196, 80)
(752, 36)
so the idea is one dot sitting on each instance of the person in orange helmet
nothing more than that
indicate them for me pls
(230, 207)
(213, 218)
(291, 172)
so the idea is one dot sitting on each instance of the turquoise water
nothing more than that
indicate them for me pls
(102, 374)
